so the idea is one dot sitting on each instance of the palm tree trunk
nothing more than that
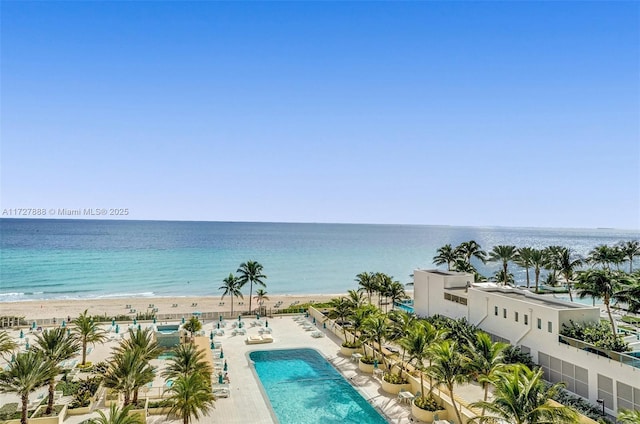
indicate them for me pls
(486, 395)
(232, 306)
(527, 277)
(613, 324)
(185, 418)
(422, 385)
(52, 386)
(25, 401)
(135, 396)
(250, 294)
(537, 272)
(453, 403)
(504, 268)
(569, 289)
(84, 350)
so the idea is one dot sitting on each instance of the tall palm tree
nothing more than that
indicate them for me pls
(231, 286)
(7, 345)
(261, 296)
(537, 259)
(56, 345)
(630, 249)
(117, 416)
(630, 293)
(523, 259)
(376, 329)
(461, 265)
(552, 260)
(251, 272)
(487, 358)
(127, 372)
(605, 256)
(341, 309)
(401, 323)
(416, 344)
(449, 367)
(26, 373)
(383, 282)
(191, 396)
(187, 360)
(445, 255)
(396, 293)
(521, 397)
(355, 299)
(88, 331)
(143, 340)
(471, 249)
(358, 318)
(367, 283)
(193, 326)
(602, 283)
(567, 265)
(504, 254)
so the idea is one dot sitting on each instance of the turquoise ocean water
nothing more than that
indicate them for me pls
(45, 259)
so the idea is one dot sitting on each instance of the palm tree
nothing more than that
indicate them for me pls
(470, 249)
(367, 283)
(56, 345)
(142, 340)
(358, 318)
(602, 283)
(416, 343)
(537, 259)
(88, 331)
(355, 299)
(567, 266)
(376, 330)
(605, 256)
(383, 282)
(461, 265)
(396, 293)
(448, 368)
(251, 272)
(401, 323)
(552, 260)
(445, 255)
(231, 286)
(191, 396)
(487, 358)
(26, 373)
(193, 325)
(341, 310)
(7, 345)
(523, 259)
(521, 397)
(504, 254)
(187, 360)
(261, 296)
(630, 293)
(630, 249)
(117, 416)
(626, 416)
(127, 372)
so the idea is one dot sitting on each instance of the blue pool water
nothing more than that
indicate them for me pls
(304, 388)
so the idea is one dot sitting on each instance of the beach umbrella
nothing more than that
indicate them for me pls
(240, 325)
(117, 329)
(375, 363)
(68, 331)
(257, 316)
(183, 320)
(266, 323)
(324, 325)
(314, 320)
(21, 334)
(135, 321)
(239, 317)
(13, 357)
(27, 346)
(222, 354)
(113, 322)
(211, 345)
(34, 325)
(154, 320)
(220, 317)
(220, 379)
(64, 323)
(139, 327)
(218, 325)
(211, 335)
(225, 366)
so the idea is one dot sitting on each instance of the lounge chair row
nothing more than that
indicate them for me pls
(264, 338)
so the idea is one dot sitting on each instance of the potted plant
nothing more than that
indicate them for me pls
(159, 407)
(367, 364)
(348, 348)
(57, 415)
(426, 408)
(139, 408)
(111, 397)
(395, 383)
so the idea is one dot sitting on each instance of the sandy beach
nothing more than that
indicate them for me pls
(61, 309)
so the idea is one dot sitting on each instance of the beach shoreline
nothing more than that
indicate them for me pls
(62, 309)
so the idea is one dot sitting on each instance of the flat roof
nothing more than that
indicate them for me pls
(534, 298)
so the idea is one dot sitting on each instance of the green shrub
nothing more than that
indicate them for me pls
(54, 412)
(164, 403)
(428, 403)
(394, 379)
(8, 411)
(515, 355)
(352, 345)
(581, 405)
(367, 360)
(598, 334)
(68, 387)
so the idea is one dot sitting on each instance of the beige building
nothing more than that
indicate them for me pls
(533, 322)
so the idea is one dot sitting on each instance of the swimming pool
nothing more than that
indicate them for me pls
(304, 388)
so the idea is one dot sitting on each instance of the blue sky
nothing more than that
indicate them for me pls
(459, 113)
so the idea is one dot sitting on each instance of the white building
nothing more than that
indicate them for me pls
(532, 322)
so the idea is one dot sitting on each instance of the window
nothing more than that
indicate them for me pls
(549, 327)
(504, 313)
(495, 310)
(539, 324)
(516, 317)
(526, 319)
